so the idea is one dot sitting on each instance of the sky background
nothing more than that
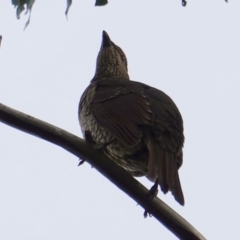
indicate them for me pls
(192, 54)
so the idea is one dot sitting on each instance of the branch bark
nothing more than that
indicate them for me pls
(82, 149)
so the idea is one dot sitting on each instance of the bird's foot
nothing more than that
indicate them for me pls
(152, 193)
(88, 137)
(147, 214)
(81, 161)
(153, 190)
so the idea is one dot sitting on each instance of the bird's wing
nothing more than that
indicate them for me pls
(121, 110)
(166, 142)
(126, 108)
(166, 120)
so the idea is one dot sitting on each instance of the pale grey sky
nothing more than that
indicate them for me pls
(192, 54)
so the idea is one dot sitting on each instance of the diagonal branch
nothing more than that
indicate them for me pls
(123, 180)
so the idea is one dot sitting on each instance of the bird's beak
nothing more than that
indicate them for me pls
(106, 41)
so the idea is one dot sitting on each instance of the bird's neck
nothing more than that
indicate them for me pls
(109, 73)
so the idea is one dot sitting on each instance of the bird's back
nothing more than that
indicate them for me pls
(123, 113)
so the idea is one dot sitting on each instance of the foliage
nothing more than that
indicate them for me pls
(19, 5)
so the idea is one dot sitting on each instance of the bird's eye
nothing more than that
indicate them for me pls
(123, 58)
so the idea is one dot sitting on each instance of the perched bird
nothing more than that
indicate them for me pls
(139, 127)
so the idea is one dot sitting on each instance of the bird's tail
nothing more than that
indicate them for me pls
(162, 164)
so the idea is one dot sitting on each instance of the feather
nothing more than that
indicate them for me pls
(122, 115)
(157, 164)
(173, 177)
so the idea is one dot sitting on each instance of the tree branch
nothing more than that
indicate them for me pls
(123, 180)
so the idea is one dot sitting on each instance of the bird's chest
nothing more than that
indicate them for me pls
(88, 121)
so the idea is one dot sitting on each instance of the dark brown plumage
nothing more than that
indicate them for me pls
(139, 126)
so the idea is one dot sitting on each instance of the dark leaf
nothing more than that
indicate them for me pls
(20, 5)
(69, 3)
(101, 2)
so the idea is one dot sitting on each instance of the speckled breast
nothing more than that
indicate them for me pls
(87, 120)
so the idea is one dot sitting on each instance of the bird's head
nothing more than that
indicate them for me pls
(111, 60)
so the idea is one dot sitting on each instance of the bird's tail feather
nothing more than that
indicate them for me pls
(173, 180)
(162, 164)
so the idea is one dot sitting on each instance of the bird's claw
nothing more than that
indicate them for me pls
(81, 161)
(152, 193)
(146, 214)
(153, 190)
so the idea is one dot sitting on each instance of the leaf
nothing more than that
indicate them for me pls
(19, 4)
(184, 3)
(101, 2)
(69, 3)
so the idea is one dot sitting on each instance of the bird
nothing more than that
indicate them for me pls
(138, 126)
